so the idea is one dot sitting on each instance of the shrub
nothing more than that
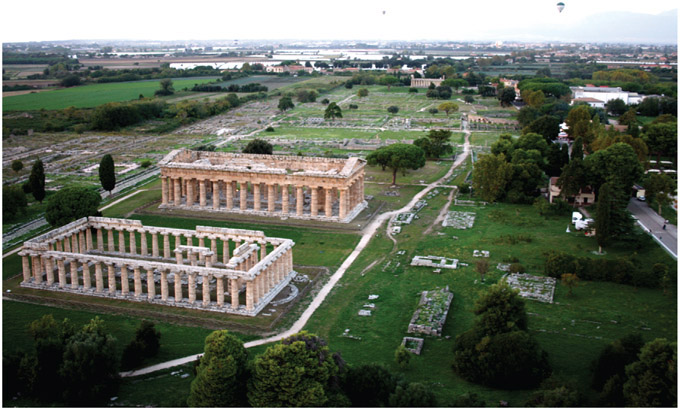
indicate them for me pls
(146, 163)
(269, 129)
(393, 109)
(433, 111)
(352, 106)
(516, 268)
(413, 90)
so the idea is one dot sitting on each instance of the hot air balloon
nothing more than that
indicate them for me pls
(560, 6)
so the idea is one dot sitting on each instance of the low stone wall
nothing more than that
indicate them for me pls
(431, 315)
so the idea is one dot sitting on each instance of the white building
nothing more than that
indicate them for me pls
(599, 96)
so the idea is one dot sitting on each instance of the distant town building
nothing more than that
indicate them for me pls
(597, 97)
(584, 197)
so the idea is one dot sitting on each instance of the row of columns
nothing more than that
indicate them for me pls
(322, 199)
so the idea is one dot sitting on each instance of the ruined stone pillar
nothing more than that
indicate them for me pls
(62, 273)
(256, 197)
(137, 280)
(205, 294)
(49, 270)
(190, 192)
(37, 273)
(191, 286)
(263, 250)
(25, 268)
(229, 194)
(343, 207)
(216, 195)
(121, 241)
(164, 285)
(74, 243)
(314, 200)
(237, 243)
(67, 244)
(154, 245)
(100, 240)
(270, 198)
(111, 276)
(243, 195)
(328, 205)
(125, 285)
(110, 240)
(220, 291)
(74, 273)
(249, 295)
(88, 239)
(190, 240)
(192, 258)
(202, 244)
(299, 201)
(133, 242)
(144, 251)
(214, 249)
(321, 196)
(166, 245)
(225, 250)
(164, 191)
(81, 241)
(178, 257)
(58, 246)
(177, 277)
(176, 191)
(284, 199)
(99, 280)
(202, 193)
(151, 285)
(234, 292)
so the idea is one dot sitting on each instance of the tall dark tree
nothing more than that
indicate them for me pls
(369, 385)
(107, 173)
(258, 146)
(506, 96)
(604, 215)
(436, 143)
(13, 201)
(398, 157)
(37, 181)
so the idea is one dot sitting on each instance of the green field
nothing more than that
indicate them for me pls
(88, 96)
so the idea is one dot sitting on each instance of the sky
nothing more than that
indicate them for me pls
(40, 20)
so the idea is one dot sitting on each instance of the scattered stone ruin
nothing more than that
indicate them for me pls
(328, 189)
(434, 262)
(459, 220)
(413, 344)
(253, 270)
(431, 314)
(539, 288)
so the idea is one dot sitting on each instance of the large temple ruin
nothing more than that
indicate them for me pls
(253, 269)
(328, 189)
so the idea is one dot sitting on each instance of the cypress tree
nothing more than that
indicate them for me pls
(37, 181)
(107, 174)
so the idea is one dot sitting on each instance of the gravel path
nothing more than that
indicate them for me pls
(367, 234)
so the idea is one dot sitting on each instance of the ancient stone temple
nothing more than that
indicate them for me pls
(253, 268)
(425, 82)
(328, 189)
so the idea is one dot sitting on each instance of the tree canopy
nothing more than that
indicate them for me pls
(72, 203)
(36, 180)
(651, 381)
(436, 143)
(285, 103)
(332, 112)
(398, 157)
(107, 173)
(258, 146)
(491, 173)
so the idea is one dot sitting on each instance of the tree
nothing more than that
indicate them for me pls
(481, 267)
(469, 99)
(651, 381)
(661, 139)
(36, 180)
(393, 109)
(649, 107)
(13, 201)
(604, 211)
(398, 157)
(298, 372)
(332, 112)
(616, 107)
(107, 173)
(362, 92)
(258, 146)
(72, 203)
(369, 385)
(285, 103)
(444, 92)
(17, 165)
(90, 366)
(534, 99)
(506, 96)
(305, 96)
(570, 280)
(388, 80)
(500, 310)
(70, 80)
(547, 126)
(433, 111)
(659, 187)
(629, 117)
(609, 368)
(402, 357)
(579, 122)
(166, 87)
(448, 107)
(436, 143)
(617, 164)
(415, 395)
(221, 376)
(491, 174)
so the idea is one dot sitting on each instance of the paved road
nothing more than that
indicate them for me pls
(652, 223)
(368, 233)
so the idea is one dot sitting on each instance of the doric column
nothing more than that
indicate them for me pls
(243, 192)
(214, 249)
(88, 239)
(216, 195)
(74, 243)
(133, 242)
(343, 207)
(205, 294)
(99, 280)
(263, 250)
(202, 193)
(237, 243)
(256, 197)
(138, 281)
(249, 295)
(190, 192)
(62, 273)
(299, 200)
(166, 245)
(110, 240)
(189, 238)
(192, 258)
(321, 197)
(154, 245)
(151, 285)
(25, 268)
(73, 264)
(37, 272)
(328, 205)
(100, 240)
(176, 191)
(164, 191)
(225, 250)
(49, 270)
(67, 244)
(178, 257)
(121, 241)
(314, 200)
(202, 256)
(111, 276)
(229, 195)
(144, 251)
(177, 277)
(270, 198)
(58, 246)
(125, 285)
(220, 291)
(164, 285)
(191, 287)
(284, 199)
(234, 289)
(81, 241)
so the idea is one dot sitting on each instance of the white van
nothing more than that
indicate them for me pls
(576, 216)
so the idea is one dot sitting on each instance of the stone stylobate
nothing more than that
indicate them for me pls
(253, 268)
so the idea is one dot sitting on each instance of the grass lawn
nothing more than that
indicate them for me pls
(92, 95)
